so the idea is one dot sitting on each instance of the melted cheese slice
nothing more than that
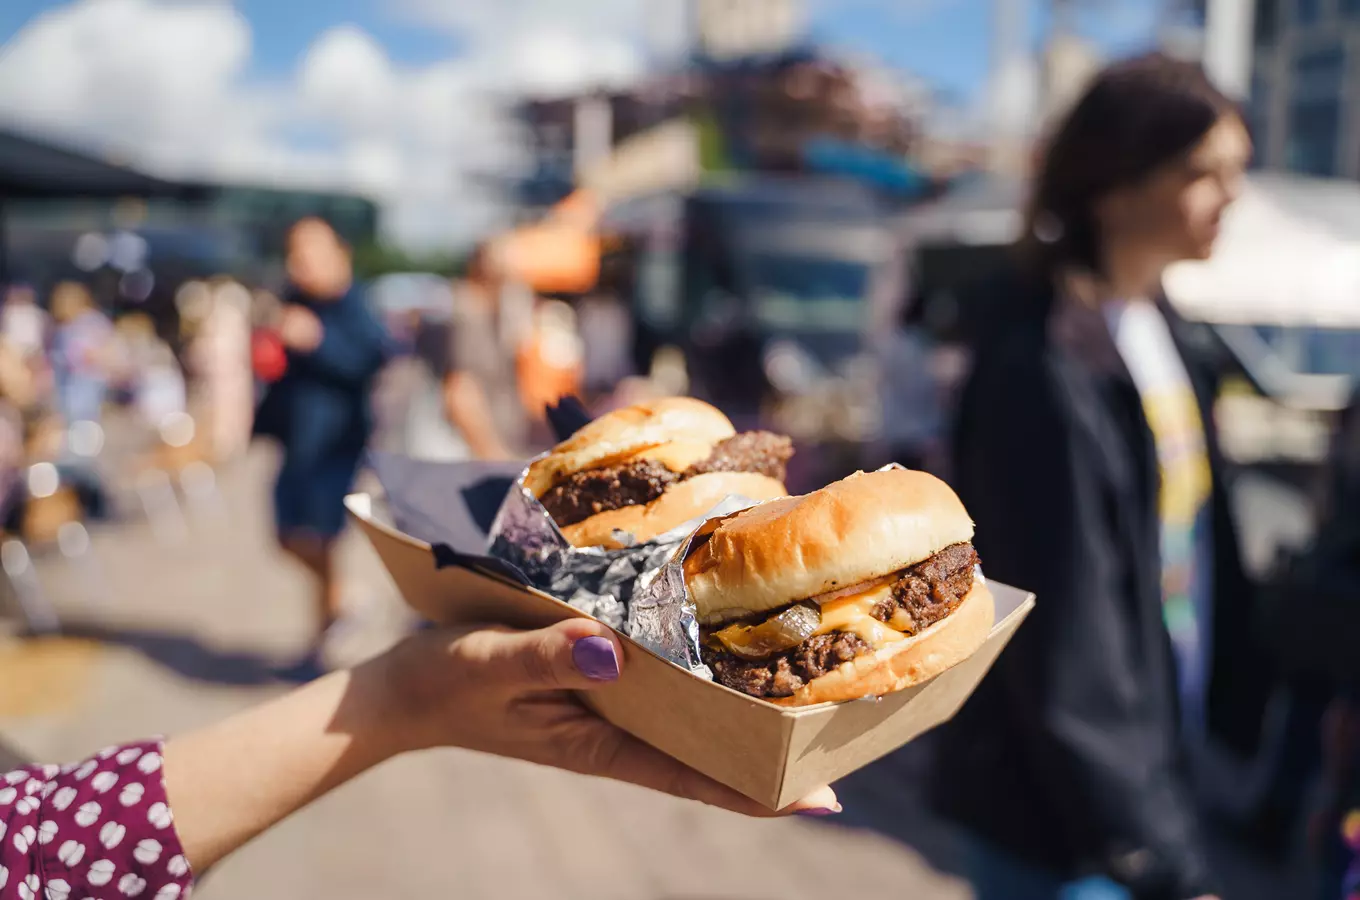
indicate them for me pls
(854, 613)
(675, 455)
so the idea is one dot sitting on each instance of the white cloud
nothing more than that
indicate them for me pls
(615, 35)
(348, 78)
(549, 61)
(169, 85)
(124, 67)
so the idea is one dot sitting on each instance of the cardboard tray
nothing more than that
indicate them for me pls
(773, 754)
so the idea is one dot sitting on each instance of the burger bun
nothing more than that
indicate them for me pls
(626, 434)
(856, 530)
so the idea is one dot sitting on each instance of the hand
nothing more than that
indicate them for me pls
(300, 329)
(510, 693)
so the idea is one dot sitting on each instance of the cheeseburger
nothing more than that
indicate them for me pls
(648, 468)
(860, 589)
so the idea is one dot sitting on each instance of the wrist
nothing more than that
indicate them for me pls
(374, 714)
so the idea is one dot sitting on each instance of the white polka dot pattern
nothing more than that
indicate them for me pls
(100, 828)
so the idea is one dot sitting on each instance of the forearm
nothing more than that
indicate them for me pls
(468, 410)
(230, 781)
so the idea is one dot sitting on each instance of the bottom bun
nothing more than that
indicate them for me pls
(689, 499)
(905, 663)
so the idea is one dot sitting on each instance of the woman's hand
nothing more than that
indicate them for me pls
(494, 690)
(510, 693)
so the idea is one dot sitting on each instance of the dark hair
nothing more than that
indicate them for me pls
(1135, 117)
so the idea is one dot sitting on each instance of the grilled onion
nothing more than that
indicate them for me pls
(775, 635)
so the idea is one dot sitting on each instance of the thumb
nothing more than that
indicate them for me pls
(578, 654)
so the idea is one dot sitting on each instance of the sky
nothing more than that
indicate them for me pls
(398, 99)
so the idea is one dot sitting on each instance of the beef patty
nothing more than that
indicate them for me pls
(594, 491)
(925, 592)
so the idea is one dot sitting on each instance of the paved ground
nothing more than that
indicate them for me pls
(180, 630)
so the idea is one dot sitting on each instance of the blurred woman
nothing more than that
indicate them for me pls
(320, 410)
(1084, 452)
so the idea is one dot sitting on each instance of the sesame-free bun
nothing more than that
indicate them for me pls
(855, 530)
(682, 502)
(903, 664)
(628, 434)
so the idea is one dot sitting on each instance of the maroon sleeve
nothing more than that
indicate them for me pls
(99, 828)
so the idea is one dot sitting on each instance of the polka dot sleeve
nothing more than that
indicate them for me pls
(98, 829)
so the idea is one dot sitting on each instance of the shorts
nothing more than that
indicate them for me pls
(309, 497)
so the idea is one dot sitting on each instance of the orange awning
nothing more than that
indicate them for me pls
(549, 257)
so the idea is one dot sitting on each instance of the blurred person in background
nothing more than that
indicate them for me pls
(1085, 453)
(18, 396)
(145, 819)
(23, 323)
(219, 358)
(82, 354)
(150, 371)
(472, 359)
(319, 410)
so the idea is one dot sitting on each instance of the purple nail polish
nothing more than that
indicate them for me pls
(594, 658)
(817, 811)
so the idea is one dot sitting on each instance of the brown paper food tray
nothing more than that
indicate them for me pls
(772, 754)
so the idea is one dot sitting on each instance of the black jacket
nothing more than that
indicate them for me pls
(1068, 754)
(1312, 615)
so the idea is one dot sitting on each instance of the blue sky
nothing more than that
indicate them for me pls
(402, 99)
(945, 41)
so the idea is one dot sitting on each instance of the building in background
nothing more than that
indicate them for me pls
(565, 135)
(1305, 86)
(794, 112)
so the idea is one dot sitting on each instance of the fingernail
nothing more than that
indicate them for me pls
(594, 657)
(819, 811)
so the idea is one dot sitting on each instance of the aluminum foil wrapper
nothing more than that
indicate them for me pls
(662, 616)
(602, 583)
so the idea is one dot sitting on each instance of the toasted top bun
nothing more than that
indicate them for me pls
(903, 664)
(855, 530)
(689, 499)
(626, 433)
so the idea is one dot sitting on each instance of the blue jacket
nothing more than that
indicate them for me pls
(321, 406)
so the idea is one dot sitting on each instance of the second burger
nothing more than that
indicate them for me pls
(646, 469)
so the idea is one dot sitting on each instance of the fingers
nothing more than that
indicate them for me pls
(622, 757)
(578, 654)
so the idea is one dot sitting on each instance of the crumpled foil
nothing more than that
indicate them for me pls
(605, 584)
(662, 616)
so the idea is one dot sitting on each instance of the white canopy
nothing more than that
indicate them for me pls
(1289, 254)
